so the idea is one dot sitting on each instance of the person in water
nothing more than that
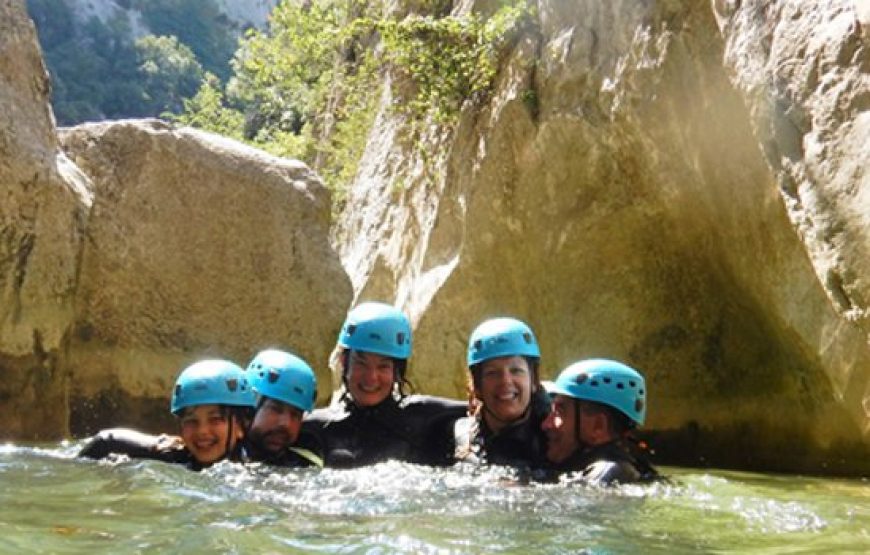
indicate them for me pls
(596, 404)
(375, 419)
(214, 403)
(286, 389)
(506, 401)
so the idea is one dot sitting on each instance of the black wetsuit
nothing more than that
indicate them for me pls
(138, 445)
(615, 462)
(304, 453)
(520, 444)
(416, 428)
(134, 444)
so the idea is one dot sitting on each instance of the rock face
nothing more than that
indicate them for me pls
(176, 246)
(633, 196)
(197, 246)
(44, 208)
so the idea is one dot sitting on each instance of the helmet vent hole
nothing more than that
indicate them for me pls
(298, 390)
(620, 385)
(178, 390)
(581, 378)
(594, 383)
(351, 328)
(375, 336)
(273, 376)
(607, 380)
(233, 384)
(528, 338)
(638, 405)
(632, 384)
(400, 338)
(640, 391)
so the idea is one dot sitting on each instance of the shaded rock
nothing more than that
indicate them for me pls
(197, 246)
(613, 194)
(44, 208)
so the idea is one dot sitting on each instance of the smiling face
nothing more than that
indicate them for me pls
(561, 429)
(505, 390)
(276, 426)
(370, 378)
(205, 430)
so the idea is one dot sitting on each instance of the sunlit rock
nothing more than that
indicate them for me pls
(197, 246)
(44, 204)
(614, 192)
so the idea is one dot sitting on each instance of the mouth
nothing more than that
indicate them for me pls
(275, 441)
(508, 396)
(375, 388)
(205, 444)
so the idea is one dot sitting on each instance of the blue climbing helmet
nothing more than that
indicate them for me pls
(604, 381)
(212, 382)
(501, 337)
(377, 328)
(284, 377)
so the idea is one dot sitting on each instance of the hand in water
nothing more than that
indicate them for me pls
(166, 442)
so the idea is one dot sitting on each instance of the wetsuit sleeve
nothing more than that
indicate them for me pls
(134, 444)
(439, 445)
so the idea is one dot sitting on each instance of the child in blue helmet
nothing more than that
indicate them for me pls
(506, 401)
(375, 419)
(286, 389)
(596, 403)
(213, 402)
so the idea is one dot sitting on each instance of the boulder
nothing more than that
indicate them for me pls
(615, 193)
(197, 246)
(44, 209)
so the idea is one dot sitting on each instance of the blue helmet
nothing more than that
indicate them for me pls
(212, 382)
(284, 377)
(501, 337)
(377, 328)
(604, 381)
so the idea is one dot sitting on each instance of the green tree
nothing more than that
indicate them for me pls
(197, 23)
(170, 71)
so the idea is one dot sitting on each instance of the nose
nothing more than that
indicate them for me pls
(549, 422)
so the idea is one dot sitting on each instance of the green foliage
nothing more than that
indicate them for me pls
(98, 72)
(198, 24)
(206, 110)
(451, 59)
(170, 71)
(308, 87)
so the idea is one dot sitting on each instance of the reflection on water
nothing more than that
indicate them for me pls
(52, 502)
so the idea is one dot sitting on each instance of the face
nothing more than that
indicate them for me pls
(370, 378)
(205, 430)
(505, 389)
(276, 426)
(560, 427)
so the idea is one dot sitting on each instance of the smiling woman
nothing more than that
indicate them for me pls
(375, 419)
(507, 403)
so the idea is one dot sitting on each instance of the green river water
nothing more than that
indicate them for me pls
(51, 502)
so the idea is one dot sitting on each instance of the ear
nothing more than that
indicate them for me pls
(599, 427)
(238, 430)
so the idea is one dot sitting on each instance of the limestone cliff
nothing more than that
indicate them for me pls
(44, 208)
(636, 188)
(176, 246)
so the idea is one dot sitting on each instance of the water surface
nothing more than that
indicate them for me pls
(51, 502)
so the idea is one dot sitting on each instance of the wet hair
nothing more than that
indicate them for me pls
(402, 386)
